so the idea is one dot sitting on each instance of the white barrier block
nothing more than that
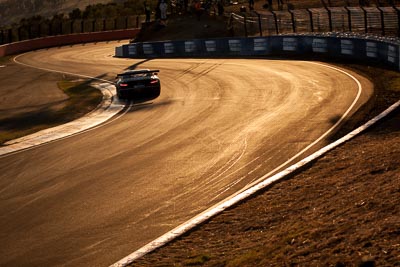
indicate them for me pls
(372, 49)
(190, 47)
(320, 45)
(132, 51)
(392, 54)
(347, 47)
(169, 48)
(260, 44)
(148, 49)
(289, 44)
(235, 45)
(211, 46)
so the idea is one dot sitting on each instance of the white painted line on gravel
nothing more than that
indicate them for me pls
(108, 108)
(260, 184)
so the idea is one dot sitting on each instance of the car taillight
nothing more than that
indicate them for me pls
(123, 84)
(153, 81)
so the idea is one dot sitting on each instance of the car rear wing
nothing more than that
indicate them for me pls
(133, 72)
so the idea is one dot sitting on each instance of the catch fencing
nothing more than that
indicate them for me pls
(67, 27)
(384, 21)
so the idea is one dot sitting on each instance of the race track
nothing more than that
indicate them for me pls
(219, 125)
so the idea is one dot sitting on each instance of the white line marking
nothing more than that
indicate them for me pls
(220, 207)
(109, 107)
(249, 190)
(57, 71)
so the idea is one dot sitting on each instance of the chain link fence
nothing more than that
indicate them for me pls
(383, 21)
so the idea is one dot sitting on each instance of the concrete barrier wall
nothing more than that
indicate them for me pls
(52, 41)
(347, 47)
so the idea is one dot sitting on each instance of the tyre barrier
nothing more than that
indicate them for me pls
(364, 48)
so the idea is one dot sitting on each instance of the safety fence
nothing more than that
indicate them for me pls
(67, 26)
(383, 21)
(354, 47)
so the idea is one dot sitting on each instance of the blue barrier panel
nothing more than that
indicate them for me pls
(213, 48)
(151, 50)
(248, 47)
(319, 45)
(327, 45)
(133, 50)
(261, 46)
(222, 46)
(234, 47)
(169, 48)
(192, 48)
(392, 54)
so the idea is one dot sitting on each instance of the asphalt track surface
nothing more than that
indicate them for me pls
(219, 125)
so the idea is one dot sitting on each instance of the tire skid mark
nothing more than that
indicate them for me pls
(260, 183)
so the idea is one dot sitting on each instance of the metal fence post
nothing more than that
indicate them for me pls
(293, 21)
(382, 21)
(276, 22)
(398, 21)
(365, 20)
(329, 18)
(19, 34)
(50, 30)
(10, 36)
(259, 24)
(39, 33)
(29, 28)
(348, 17)
(311, 20)
(230, 25)
(245, 25)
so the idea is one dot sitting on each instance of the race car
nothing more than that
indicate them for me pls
(138, 84)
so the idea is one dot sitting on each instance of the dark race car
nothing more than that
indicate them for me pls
(138, 84)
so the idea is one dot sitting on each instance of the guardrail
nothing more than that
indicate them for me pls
(52, 41)
(374, 50)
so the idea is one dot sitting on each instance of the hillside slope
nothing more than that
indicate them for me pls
(12, 11)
